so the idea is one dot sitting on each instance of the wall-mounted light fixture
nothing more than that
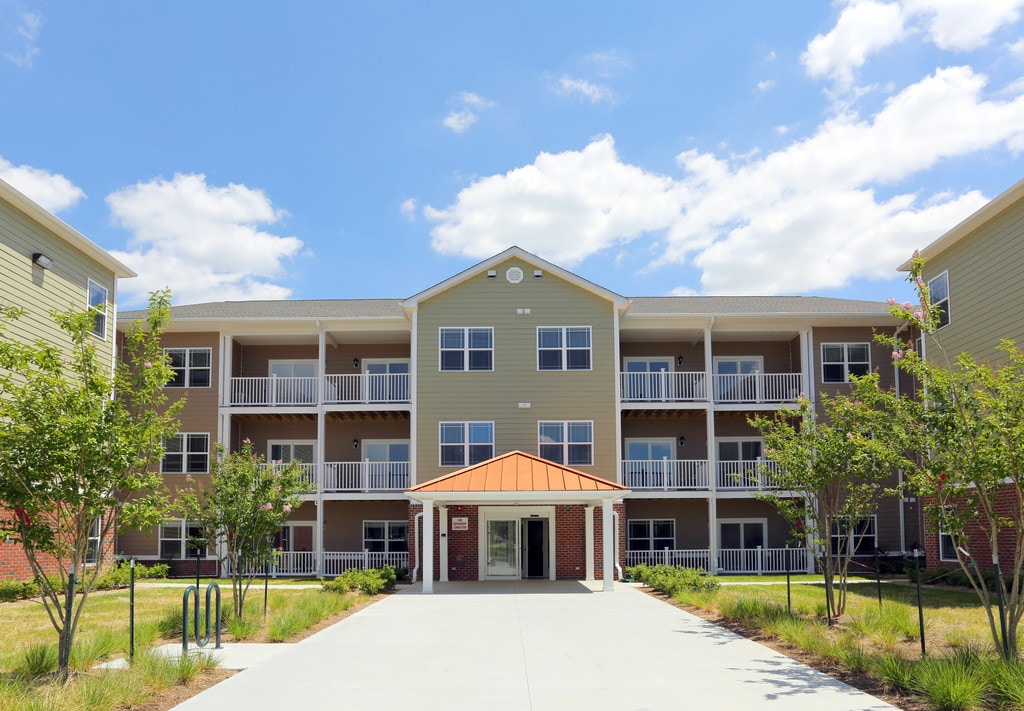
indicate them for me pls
(355, 363)
(41, 260)
(679, 361)
(682, 440)
(355, 444)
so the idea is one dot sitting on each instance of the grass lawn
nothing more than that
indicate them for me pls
(28, 643)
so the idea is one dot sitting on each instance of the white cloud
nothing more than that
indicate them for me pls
(963, 24)
(781, 130)
(609, 63)
(809, 216)
(567, 85)
(459, 121)
(50, 190)
(863, 27)
(1017, 49)
(408, 208)
(764, 86)
(28, 29)
(563, 206)
(202, 241)
(475, 100)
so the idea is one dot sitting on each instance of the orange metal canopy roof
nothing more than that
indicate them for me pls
(516, 471)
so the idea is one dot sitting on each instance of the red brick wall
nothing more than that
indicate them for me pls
(14, 564)
(977, 538)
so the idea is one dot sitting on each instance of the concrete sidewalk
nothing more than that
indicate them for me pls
(528, 645)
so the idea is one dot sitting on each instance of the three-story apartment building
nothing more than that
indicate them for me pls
(516, 421)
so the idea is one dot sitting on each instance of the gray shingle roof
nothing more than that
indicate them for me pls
(312, 309)
(778, 305)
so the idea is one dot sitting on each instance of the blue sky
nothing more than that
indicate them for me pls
(237, 150)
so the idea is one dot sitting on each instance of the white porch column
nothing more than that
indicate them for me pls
(427, 554)
(443, 531)
(713, 534)
(588, 539)
(608, 545)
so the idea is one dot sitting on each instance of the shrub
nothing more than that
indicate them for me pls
(368, 582)
(119, 574)
(11, 590)
(671, 581)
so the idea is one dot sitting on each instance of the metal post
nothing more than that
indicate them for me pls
(789, 594)
(920, 607)
(68, 603)
(197, 569)
(1000, 592)
(266, 587)
(131, 609)
(878, 578)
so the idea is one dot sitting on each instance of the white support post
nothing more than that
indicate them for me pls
(427, 555)
(588, 540)
(712, 535)
(443, 531)
(608, 545)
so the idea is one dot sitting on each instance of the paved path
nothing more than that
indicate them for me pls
(538, 646)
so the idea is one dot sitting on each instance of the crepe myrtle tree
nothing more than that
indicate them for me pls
(832, 471)
(76, 461)
(244, 506)
(972, 480)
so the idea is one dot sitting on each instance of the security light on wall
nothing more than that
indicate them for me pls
(355, 444)
(355, 363)
(679, 361)
(41, 260)
(682, 440)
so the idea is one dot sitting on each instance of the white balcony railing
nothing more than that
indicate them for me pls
(366, 388)
(273, 391)
(757, 388)
(308, 472)
(365, 476)
(682, 558)
(663, 387)
(762, 560)
(750, 474)
(665, 474)
(336, 563)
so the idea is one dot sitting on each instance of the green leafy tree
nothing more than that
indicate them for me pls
(834, 470)
(71, 454)
(972, 480)
(245, 505)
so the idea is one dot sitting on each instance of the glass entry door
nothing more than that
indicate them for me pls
(503, 549)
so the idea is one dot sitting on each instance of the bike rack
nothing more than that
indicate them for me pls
(201, 642)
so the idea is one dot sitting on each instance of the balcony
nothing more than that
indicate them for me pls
(308, 472)
(365, 477)
(334, 563)
(665, 474)
(757, 388)
(277, 391)
(663, 386)
(747, 475)
(756, 561)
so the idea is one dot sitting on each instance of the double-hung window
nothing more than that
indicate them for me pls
(92, 551)
(466, 443)
(563, 348)
(191, 367)
(646, 534)
(938, 294)
(570, 443)
(841, 360)
(467, 348)
(386, 536)
(186, 453)
(181, 539)
(859, 538)
(98, 307)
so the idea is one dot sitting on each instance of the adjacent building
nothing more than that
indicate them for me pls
(46, 265)
(515, 421)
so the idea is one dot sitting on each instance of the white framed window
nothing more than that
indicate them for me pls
(861, 540)
(841, 360)
(947, 545)
(469, 348)
(386, 536)
(570, 442)
(286, 451)
(387, 380)
(938, 292)
(186, 453)
(192, 367)
(294, 382)
(563, 348)
(98, 306)
(92, 553)
(466, 443)
(180, 538)
(650, 534)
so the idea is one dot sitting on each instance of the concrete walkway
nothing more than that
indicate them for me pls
(542, 646)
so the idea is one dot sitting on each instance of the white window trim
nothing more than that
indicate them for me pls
(650, 538)
(465, 442)
(104, 313)
(943, 534)
(759, 440)
(564, 349)
(762, 521)
(465, 350)
(716, 360)
(187, 368)
(861, 550)
(293, 361)
(670, 441)
(93, 550)
(388, 442)
(184, 453)
(947, 299)
(182, 541)
(845, 362)
(292, 443)
(647, 359)
(565, 443)
(367, 362)
(387, 523)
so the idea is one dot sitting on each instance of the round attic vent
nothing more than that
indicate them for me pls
(514, 275)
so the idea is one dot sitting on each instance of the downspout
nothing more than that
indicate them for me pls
(615, 519)
(903, 499)
(417, 521)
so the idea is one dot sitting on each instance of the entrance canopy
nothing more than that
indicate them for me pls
(517, 479)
